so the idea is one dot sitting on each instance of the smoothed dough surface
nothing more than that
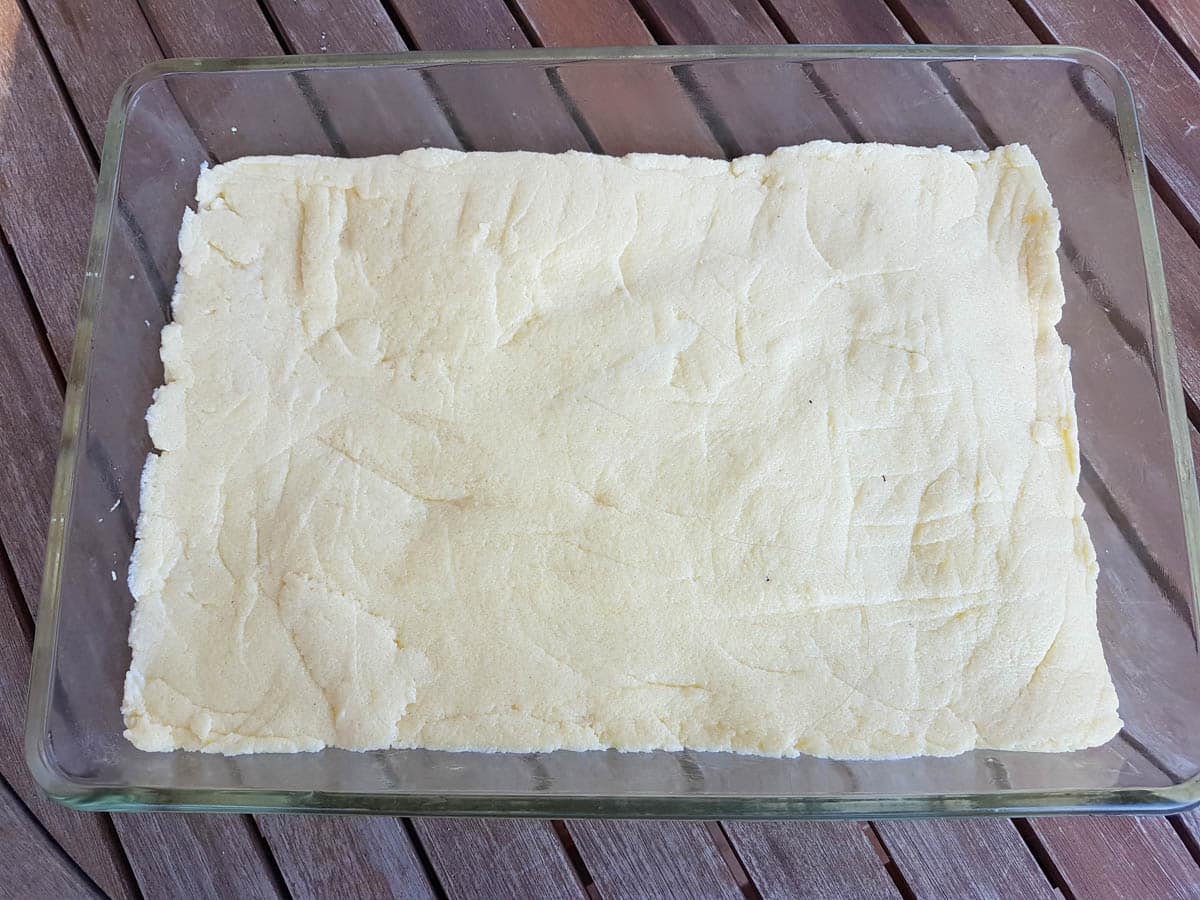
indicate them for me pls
(522, 452)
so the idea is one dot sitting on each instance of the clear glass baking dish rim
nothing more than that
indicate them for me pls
(1174, 798)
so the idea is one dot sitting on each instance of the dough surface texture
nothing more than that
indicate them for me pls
(519, 452)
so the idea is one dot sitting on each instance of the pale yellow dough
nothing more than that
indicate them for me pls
(523, 452)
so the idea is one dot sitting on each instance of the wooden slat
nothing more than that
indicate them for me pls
(811, 859)
(652, 859)
(43, 167)
(75, 30)
(984, 859)
(231, 853)
(1120, 857)
(31, 865)
(968, 22)
(642, 111)
(498, 858)
(513, 110)
(89, 839)
(373, 115)
(1183, 17)
(344, 856)
(351, 26)
(904, 104)
(30, 408)
(238, 29)
(50, 170)
(1167, 90)
(196, 856)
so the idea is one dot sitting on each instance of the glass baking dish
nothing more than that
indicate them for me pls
(1072, 106)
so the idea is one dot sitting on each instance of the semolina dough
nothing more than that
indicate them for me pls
(518, 452)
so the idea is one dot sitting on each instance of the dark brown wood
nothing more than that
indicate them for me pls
(1110, 856)
(812, 859)
(968, 22)
(45, 168)
(30, 407)
(498, 858)
(951, 858)
(345, 856)
(371, 117)
(1167, 90)
(1182, 17)
(352, 26)
(73, 30)
(32, 865)
(644, 111)
(48, 169)
(652, 859)
(88, 838)
(512, 111)
(196, 856)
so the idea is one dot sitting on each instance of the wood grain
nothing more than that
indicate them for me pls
(74, 30)
(984, 859)
(196, 856)
(43, 166)
(652, 859)
(1182, 17)
(1110, 856)
(346, 856)
(161, 848)
(351, 26)
(644, 111)
(498, 858)
(89, 839)
(380, 112)
(1166, 89)
(30, 408)
(811, 859)
(753, 108)
(31, 864)
(512, 110)
(902, 102)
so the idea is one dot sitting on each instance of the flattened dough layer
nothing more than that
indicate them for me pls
(522, 452)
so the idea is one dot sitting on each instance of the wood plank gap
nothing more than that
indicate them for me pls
(522, 20)
(273, 868)
(35, 822)
(586, 881)
(889, 863)
(164, 46)
(733, 862)
(1170, 197)
(1167, 30)
(20, 611)
(1043, 858)
(1186, 836)
(280, 36)
(73, 117)
(653, 23)
(1178, 600)
(10, 256)
(406, 35)
(822, 86)
(589, 136)
(324, 120)
(1031, 19)
(910, 25)
(415, 839)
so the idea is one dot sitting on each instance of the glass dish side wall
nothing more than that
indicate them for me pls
(710, 102)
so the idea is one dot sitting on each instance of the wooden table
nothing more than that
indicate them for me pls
(60, 63)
